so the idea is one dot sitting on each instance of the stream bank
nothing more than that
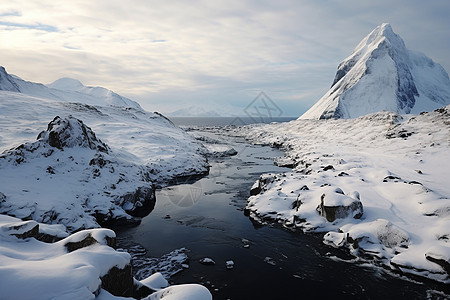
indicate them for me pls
(206, 217)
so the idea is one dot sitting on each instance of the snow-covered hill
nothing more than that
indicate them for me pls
(65, 89)
(382, 74)
(377, 185)
(70, 181)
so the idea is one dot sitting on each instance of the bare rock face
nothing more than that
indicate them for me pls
(70, 132)
(336, 205)
(119, 282)
(256, 188)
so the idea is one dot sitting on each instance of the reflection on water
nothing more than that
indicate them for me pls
(207, 218)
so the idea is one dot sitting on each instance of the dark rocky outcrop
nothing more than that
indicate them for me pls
(119, 282)
(70, 132)
(86, 242)
(140, 203)
(437, 258)
(23, 230)
(255, 189)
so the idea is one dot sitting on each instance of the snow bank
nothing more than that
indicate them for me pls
(182, 291)
(397, 167)
(78, 266)
(31, 269)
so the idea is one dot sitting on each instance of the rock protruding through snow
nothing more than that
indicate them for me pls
(70, 132)
(69, 176)
(399, 166)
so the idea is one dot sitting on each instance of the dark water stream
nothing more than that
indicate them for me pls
(206, 217)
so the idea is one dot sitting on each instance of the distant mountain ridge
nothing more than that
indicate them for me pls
(193, 111)
(65, 90)
(382, 74)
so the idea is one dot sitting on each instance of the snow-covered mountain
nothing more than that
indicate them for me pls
(382, 74)
(64, 89)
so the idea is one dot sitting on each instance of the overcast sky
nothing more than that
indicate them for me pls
(212, 55)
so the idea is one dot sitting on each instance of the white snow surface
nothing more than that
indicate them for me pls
(382, 74)
(30, 269)
(66, 90)
(398, 166)
(182, 292)
(63, 186)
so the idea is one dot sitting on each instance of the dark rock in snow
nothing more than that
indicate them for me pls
(119, 282)
(329, 167)
(256, 188)
(140, 203)
(440, 258)
(335, 205)
(70, 132)
(24, 230)
(87, 241)
(141, 291)
(391, 178)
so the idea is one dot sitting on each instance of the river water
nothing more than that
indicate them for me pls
(206, 216)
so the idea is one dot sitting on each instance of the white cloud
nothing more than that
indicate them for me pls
(158, 51)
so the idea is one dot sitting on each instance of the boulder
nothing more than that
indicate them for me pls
(87, 238)
(70, 132)
(336, 205)
(140, 203)
(256, 188)
(120, 282)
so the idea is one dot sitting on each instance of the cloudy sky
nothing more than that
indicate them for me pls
(210, 55)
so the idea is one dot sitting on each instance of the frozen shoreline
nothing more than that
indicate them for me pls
(396, 166)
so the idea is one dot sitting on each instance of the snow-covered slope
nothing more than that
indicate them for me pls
(65, 89)
(377, 185)
(70, 181)
(382, 74)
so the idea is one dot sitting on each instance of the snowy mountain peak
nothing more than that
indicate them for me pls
(66, 84)
(382, 74)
